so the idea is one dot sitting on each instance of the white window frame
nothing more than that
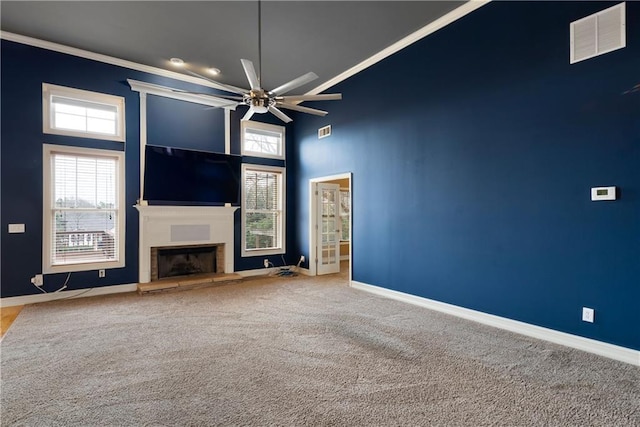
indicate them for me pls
(248, 124)
(50, 90)
(282, 204)
(47, 265)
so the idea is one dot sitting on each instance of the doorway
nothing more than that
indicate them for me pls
(330, 225)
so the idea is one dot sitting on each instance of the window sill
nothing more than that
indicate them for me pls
(68, 268)
(262, 252)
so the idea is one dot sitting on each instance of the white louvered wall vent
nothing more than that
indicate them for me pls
(599, 33)
(324, 132)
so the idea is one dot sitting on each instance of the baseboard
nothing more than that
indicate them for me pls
(600, 348)
(76, 293)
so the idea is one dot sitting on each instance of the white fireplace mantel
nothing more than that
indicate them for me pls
(184, 225)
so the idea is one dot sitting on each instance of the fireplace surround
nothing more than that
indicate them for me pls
(184, 226)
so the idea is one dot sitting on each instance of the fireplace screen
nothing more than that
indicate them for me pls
(186, 260)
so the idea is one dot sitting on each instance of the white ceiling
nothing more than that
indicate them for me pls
(327, 37)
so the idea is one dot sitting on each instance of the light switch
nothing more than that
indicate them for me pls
(16, 228)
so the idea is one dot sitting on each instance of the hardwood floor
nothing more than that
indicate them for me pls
(8, 315)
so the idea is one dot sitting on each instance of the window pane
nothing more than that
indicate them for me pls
(101, 126)
(345, 229)
(345, 209)
(84, 116)
(84, 182)
(263, 140)
(84, 236)
(262, 230)
(69, 121)
(261, 190)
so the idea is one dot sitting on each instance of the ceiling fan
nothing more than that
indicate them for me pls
(260, 100)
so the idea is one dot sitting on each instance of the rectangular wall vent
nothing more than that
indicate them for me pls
(324, 132)
(599, 33)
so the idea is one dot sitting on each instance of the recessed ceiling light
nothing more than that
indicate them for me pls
(214, 71)
(177, 62)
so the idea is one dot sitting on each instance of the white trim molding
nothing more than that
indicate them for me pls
(49, 151)
(76, 293)
(281, 248)
(600, 348)
(431, 28)
(30, 41)
(313, 206)
(167, 92)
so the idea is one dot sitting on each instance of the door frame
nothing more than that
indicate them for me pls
(313, 219)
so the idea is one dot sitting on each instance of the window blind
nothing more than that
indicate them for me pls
(262, 209)
(84, 211)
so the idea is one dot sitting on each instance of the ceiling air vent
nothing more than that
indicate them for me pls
(324, 132)
(599, 33)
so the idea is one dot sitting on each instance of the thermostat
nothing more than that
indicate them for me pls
(603, 193)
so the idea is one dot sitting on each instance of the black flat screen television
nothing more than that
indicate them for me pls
(191, 177)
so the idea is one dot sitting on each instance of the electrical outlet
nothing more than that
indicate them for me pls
(302, 258)
(101, 273)
(588, 314)
(266, 263)
(37, 280)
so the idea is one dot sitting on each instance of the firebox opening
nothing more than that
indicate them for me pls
(185, 261)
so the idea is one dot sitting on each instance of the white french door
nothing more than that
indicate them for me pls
(328, 228)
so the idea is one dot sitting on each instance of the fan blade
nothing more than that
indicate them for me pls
(302, 109)
(249, 114)
(279, 114)
(218, 85)
(301, 98)
(302, 80)
(250, 71)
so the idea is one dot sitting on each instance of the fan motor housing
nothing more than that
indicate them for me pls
(259, 101)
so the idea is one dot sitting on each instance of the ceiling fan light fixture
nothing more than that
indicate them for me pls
(177, 62)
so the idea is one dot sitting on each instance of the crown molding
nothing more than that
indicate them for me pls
(102, 58)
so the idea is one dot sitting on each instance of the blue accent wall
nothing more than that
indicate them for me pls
(24, 69)
(288, 258)
(169, 123)
(182, 124)
(473, 152)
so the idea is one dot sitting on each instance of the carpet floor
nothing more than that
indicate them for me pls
(293, 351)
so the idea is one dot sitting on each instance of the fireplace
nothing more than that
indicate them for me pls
(180, 261)
(176, 227)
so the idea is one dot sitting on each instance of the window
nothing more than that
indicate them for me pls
(263, 218)
(76, 112)
(83, 209)
(345, 212)
(262, 140)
